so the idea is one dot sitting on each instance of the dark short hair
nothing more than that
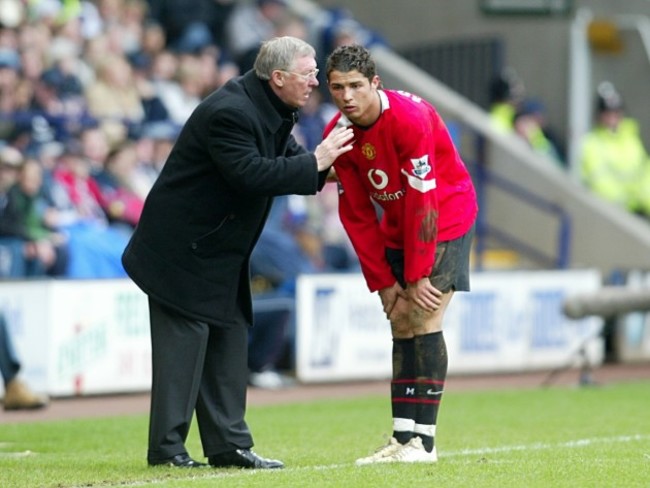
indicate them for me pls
(349, 58)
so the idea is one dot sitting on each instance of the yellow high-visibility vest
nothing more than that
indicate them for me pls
(613, 164)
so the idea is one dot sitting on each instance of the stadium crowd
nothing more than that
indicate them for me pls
(92, 96)
(94, 92)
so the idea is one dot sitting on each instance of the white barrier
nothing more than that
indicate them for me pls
(80, 337)
(510, 321)
(92, 337)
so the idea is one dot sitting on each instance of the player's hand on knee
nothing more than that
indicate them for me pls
(389, 297)
(423, 294)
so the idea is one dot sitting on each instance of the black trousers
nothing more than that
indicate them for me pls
(196, 368)
(9, 363)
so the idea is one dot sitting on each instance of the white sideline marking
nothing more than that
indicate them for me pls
(16, 454)
(540, 445)
(463, 452)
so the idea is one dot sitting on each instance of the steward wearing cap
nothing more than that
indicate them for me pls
(614, 161)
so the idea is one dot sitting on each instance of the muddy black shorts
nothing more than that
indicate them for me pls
(451, 269)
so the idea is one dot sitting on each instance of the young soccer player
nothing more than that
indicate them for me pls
(416, 255)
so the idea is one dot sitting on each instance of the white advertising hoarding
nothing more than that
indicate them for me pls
(80, 337)
(92, 337)
(510, 321)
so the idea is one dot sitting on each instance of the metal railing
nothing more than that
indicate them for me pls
(485, 230)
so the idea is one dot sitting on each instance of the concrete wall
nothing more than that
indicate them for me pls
(537, 47)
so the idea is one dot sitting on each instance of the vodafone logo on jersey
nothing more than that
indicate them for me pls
(378, 178)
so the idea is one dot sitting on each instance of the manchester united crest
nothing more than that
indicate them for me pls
(369, 151)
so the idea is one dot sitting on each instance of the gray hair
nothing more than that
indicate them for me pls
(280, 53)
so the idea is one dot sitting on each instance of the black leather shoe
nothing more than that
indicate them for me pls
(243, 458)
(179, 461)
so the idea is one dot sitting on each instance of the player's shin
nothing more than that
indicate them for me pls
(431, 373)
(403, 390)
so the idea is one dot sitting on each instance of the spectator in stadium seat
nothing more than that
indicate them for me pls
(12, 261)
(95, 246)
(415, 255)
(530, 124)
(94, 146)
(18, 395)
(154, 108)
(216, 68)
(154, 40)
(114, 95)
(186, 89)
(25, 217)
(116, 182)
(153, 145)
(191, 250)
(15, 91)
(249, 25)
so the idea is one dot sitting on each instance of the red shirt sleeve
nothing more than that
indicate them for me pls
(359, 218)
(416, 145)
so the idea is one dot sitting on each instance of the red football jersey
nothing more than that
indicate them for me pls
(407, 164)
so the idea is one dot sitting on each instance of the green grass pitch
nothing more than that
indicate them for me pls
(548, 437)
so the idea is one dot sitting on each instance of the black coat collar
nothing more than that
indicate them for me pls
(272, 109)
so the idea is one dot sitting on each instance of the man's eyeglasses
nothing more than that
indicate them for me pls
(305, 76)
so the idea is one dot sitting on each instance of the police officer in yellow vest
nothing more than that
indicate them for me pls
(505, 93)
(614, 163)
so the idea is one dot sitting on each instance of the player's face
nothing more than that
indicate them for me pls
(355, 96)
(295, 85)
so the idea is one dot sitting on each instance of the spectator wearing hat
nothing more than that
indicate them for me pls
(614, 161)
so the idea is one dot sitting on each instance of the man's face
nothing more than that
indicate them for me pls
(355, 96)
(611, 119)
(297, 83)
(8, 176)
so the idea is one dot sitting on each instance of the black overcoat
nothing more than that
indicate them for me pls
(192, 246)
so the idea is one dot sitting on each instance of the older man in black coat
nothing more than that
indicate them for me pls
(190, 252)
